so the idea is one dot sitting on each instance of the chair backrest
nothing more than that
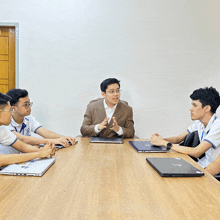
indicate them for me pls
(217, 176)
(192, 140)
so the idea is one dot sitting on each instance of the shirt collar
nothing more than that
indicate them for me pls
(211, 121)
(14, 123)
(106, 106)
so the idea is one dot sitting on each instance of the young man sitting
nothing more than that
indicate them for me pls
(22, 123)
(205, 101)
(110, 116)
(7, 139)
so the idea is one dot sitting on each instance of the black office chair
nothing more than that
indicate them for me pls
(217, 176)
(192, 140)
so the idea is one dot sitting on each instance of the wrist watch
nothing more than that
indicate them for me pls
(169, 145)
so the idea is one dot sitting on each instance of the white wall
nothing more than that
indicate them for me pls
(160, 50)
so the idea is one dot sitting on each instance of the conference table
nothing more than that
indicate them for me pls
(108, 181)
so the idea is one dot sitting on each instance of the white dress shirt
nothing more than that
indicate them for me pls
(109, 113)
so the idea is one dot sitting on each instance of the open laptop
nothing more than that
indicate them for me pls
(35, 167)
(146, 146)
(106, 140)
(173, 167)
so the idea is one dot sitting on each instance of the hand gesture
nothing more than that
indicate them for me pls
(103, 124)
(156, 139)
(115, 126)
(64, 141)
(70, 140)
(48, 149)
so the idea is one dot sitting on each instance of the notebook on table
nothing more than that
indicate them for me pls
(106, 140)
(35, 167)
(146, 146)
(173, 167)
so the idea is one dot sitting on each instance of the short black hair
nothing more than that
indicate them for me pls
(109, 81)
(16, 94)
(207, 96)
(4, 99)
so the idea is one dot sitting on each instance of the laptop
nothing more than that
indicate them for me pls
(146, 146)
(35, 167)
(173, 167)
(106, 140)
(58, 146)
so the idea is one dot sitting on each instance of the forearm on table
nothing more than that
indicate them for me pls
(177, 139)
(192, 151)
(186, 150)
(23, 147)
(28, 139)
(47, 133)
(174, 140)
(32, 140)
(214, 167)
(7, 159)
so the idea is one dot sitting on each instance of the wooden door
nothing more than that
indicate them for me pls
(7, 58)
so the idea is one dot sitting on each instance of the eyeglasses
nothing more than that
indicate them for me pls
(28, 105)
(11, 110)
(113, 91)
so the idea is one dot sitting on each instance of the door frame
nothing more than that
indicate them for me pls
(16, 26)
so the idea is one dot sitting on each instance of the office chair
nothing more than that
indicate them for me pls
(217, 176)
(192, 140)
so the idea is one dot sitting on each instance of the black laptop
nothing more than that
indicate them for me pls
(146, 146)
(173, 167)
(106, 140)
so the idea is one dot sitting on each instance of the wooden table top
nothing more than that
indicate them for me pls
(107, 181)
